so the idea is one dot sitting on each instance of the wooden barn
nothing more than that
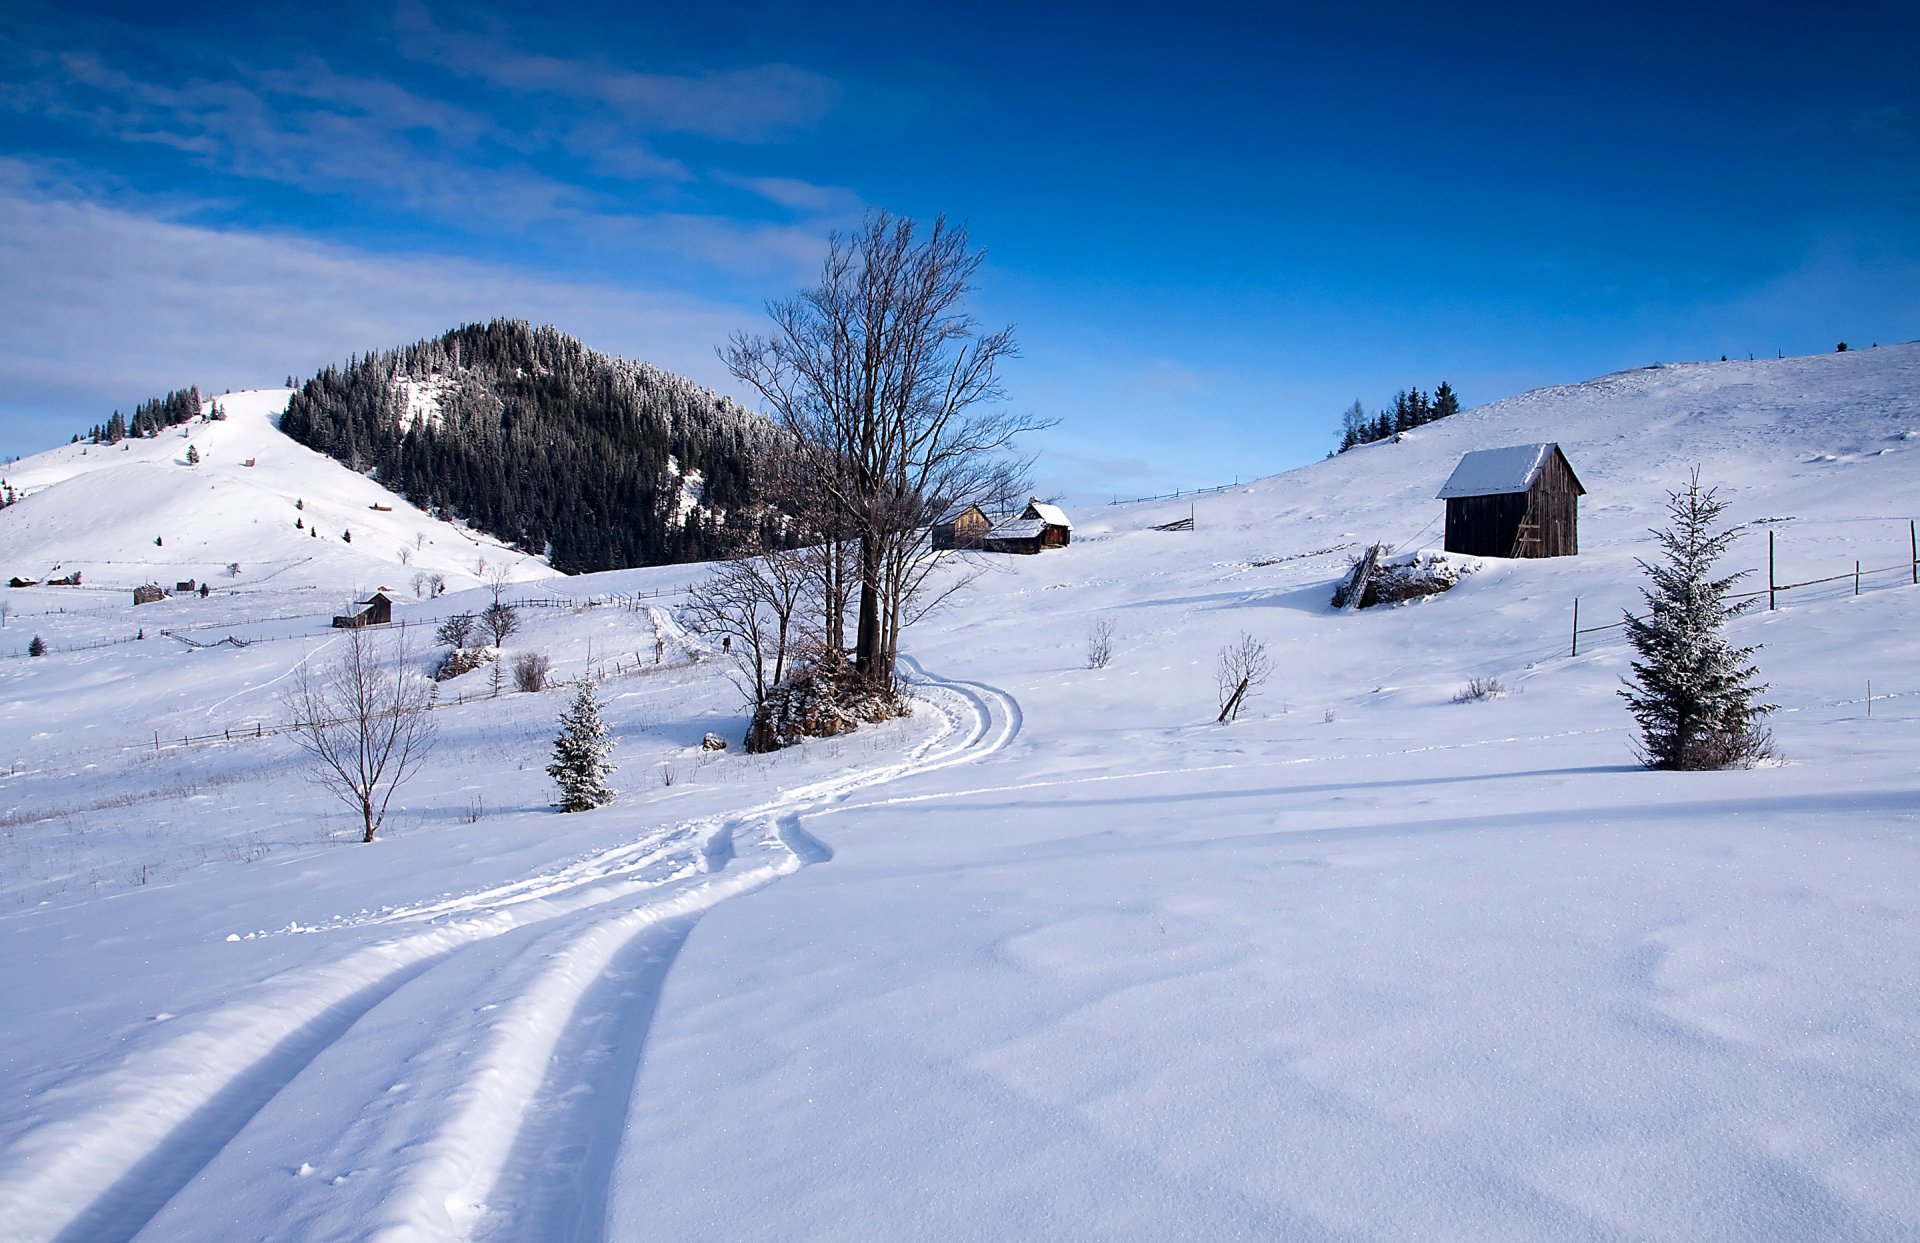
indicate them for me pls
(375, 610)
(71, 580)
(149, 593)
(1040, 525)
(17, 581)
(1520, 501)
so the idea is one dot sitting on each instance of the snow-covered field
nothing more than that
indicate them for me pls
(1057, 957)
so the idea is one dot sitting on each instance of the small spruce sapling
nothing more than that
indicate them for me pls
(1695, 695)
(36, 646)
(580, 754)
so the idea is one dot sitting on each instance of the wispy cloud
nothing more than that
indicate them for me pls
(754, 103)
(103, 307)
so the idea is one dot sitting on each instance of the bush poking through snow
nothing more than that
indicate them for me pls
(530, 672)
(1100, 644)
(1478, 689)
(580, 754)
(824, 696)
(463, 660)
(1242, 668)
(1694, 694)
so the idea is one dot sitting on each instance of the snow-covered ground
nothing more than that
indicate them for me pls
(1056, 957)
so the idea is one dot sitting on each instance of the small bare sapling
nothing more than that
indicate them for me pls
(1100, 644)
(1242, 668)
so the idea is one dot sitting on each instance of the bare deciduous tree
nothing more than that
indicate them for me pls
(893, 395)
(753, 605)
(530, 671)
(1242, 668)
(499, 621)
(366, 724)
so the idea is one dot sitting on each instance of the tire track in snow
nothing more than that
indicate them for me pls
(126, 1141)
(541, 1068)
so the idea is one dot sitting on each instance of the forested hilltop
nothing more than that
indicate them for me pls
(540, 441)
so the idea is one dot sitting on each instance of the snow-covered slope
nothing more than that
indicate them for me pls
(1058, 957)
(138, 512)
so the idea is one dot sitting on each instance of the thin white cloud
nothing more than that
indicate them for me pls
(104, 307)
(756, 103)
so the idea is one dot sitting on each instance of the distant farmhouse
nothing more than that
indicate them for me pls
(375, 610)
(1520, 501)
(1038, 526)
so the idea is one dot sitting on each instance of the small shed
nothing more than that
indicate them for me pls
(149, 593)
(375, 610)
(963, 528)
(1519, 501)
(71, 580)
(17, 581)
(1040, 525)
(187, 588)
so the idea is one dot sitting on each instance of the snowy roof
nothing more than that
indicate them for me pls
(1491, 472)
(1017, 528)
(1053, 515)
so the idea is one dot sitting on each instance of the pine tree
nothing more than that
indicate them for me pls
(1445, 401)
(193, 456)
(580, 763)
(36, 646)
(1694, 694)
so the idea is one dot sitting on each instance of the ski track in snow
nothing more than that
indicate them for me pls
(551, 1069)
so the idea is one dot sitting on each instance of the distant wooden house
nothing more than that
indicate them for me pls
(1520, 501)
(149, 593)
(1039, 526)
(375, 610)
(248, 462)
(378, 508)
(187, 588)
(71, 580)
(17, 581)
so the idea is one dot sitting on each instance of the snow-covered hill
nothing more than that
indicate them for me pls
(1057, 957)
(138, 512)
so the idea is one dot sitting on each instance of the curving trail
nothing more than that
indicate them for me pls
(466, 1077)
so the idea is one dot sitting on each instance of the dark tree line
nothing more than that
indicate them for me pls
(529, 435)
(1410, 409)
(149, 417)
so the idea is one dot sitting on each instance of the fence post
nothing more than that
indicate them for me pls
(1856, 578)
(1576, 627)
(1770, 587)
(1913, 551)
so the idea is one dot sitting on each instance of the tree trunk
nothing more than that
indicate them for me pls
(866, 651)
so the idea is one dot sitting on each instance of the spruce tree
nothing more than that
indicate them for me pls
(1445, 401)
(1693, 693)
(580, 763)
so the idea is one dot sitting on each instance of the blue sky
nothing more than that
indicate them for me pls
(1212, 229)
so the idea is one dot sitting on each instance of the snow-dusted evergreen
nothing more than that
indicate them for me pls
(581, 754)
(1694, 693)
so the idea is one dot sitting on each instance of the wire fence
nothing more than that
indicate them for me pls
(1860, 578)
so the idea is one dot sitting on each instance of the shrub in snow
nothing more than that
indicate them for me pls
(1694, 694)
(823, 696)
(713, 742)
(530, 672)
(463, 660)
(1478, 689)
(580, 764)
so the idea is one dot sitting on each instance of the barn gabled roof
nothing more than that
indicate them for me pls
(1052, 515)
(1495, 472)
